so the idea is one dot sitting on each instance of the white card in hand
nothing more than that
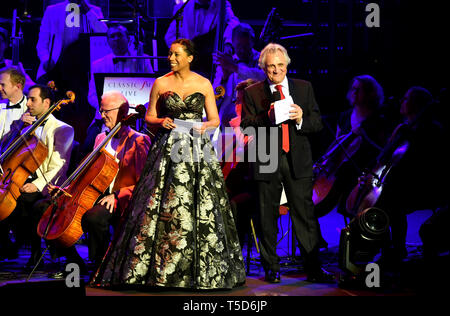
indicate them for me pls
(185, 127)
(282, 108)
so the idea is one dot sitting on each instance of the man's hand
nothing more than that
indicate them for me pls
(28, 188)
(27, 118)
(51, 188)
(109, 202)
(296, 113)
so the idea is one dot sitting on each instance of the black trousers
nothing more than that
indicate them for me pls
(96, 223)
(23, 222)
(301, 210)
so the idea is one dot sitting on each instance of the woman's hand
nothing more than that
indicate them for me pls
(200, 128)
(167, 123)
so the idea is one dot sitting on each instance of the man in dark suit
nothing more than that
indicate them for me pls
(286, 161)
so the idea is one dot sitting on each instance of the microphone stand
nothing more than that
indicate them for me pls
(178, 17)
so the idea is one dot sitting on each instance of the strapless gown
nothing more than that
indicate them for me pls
(178, 230)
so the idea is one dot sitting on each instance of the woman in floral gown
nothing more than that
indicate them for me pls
(179, 230)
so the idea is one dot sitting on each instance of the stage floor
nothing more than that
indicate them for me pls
(412, 279)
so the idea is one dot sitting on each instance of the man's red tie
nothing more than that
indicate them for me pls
(284, 126)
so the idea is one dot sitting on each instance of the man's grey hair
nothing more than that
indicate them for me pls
(272, 48)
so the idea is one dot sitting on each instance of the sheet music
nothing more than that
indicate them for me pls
(183, 126)
(282, 108)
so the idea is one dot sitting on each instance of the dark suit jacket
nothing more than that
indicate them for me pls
(257, 100)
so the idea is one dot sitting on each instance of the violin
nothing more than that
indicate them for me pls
(61, 222)
(21, 159)
(370, 185)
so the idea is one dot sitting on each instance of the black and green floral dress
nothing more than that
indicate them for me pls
(179, 229)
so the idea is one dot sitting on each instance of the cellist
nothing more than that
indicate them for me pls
(413, 183)
(368, 130)
(58, 137)
(12, 83)
(130, 148)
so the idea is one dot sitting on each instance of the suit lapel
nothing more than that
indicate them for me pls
(267, 93)
(48, 125)
(119, 151)
(294, 92)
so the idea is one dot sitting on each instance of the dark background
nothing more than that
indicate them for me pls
(408, 49)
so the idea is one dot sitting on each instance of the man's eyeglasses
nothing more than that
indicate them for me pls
(106, 111)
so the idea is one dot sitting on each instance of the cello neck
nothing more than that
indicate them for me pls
(19, 141)
(86, 163)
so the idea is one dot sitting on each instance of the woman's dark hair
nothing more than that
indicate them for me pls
(421, 97)
(188, 47)
(371, 88)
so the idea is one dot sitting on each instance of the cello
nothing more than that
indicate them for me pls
(21, 159)
(339, 152)
(370, 185)
(61, 222)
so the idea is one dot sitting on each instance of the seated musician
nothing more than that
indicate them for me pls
(413, 181)
(58, 137)
(199, 23)
(368, 129)
(55, 35)
(234, 68)
(118, 41)
(14, 104)
(130, 148)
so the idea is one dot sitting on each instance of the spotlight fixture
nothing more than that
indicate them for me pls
(362, 240)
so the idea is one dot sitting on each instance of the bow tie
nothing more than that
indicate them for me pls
(201, 6)
(13, 106)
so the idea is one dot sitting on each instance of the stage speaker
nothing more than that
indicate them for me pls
(40, 288)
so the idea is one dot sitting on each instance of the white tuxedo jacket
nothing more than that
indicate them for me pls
(53, 23)
(58, 137)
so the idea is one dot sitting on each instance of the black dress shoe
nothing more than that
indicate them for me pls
(273, 276)
(321, 276)
(62, 274)
(57, 275)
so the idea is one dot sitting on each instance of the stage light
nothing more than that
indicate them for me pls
(361, 241)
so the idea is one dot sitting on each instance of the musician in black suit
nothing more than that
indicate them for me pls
(288, 163)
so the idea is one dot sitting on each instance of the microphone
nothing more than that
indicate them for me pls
(276, 96)
(141, 110)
